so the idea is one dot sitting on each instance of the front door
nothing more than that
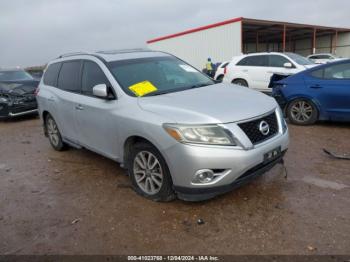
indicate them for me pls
(97, 126)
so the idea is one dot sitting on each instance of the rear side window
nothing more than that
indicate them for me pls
(51, 74)
(277, 61)
(341, 71)
(258, 60)
(69, 76)
(92, 75)
(321, 57)
(224, 65)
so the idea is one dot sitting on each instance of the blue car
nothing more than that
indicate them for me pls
(319, 93)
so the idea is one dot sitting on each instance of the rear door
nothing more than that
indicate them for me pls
(66, 97)
(47, 95)
(97, 125)
(331, 87)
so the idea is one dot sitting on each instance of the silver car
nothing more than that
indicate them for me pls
(176, 131)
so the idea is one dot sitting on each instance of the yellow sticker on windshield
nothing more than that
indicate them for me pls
(143, 88)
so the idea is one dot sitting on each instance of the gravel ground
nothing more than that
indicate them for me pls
(77, 202)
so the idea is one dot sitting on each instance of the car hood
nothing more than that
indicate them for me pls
(310, 66)
(220, 103)
(18, 87)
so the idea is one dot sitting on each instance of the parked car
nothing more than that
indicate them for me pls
(320, 93)
(36, 74)
(255, 70)
(17, 96)
(220, 71)
(176, 131)
(323, 58)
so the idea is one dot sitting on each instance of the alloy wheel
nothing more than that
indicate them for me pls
(148, 172)
(53, 132)
(301, 111)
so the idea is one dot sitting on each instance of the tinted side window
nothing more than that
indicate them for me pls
(323, 57)
(69, 76)
(92, 75)
(258, 60)
(341, 71)
(51, 74)
(277, 61)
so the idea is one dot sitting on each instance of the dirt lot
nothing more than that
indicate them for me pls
(78, 202)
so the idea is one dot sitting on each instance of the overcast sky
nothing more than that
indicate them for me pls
(33, 32)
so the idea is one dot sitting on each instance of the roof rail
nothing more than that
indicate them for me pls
(122, 51)
(73, 54)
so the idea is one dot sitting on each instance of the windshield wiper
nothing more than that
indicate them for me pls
(156, 93)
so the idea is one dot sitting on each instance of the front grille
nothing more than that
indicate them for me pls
(23, 107)
(251, 128)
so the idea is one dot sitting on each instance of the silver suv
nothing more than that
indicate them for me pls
(177, 131)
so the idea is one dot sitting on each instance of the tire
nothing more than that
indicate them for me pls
(240, 82)
(302, 112)
(54, 134)
(220, 78)
(144, 162)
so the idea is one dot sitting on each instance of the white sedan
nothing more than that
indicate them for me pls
(323, 58)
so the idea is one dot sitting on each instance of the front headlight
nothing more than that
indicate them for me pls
(283, 121)
(3, 100)
(208, 134)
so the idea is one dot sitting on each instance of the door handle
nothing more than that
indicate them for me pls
(245, 70)
(51, 99)
(316, 86)
(79, 107)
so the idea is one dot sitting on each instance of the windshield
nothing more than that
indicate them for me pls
(164, 74)
(299, 59)
(14, 75)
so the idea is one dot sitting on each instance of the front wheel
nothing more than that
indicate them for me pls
(240, 82)
(302, 112)
(149, 173)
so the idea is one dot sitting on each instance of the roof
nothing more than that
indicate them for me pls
(250, 22)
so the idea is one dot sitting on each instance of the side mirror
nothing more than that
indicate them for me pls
(288, 65)
(100, 90)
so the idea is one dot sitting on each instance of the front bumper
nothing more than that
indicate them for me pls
(9, 111)
(200, 194)
(239, 165)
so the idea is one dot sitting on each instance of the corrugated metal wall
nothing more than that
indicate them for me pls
(323, 44)
(304, 46)
(223, 42)
(343, 48)
(219, 43)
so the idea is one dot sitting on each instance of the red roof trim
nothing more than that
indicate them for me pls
(196, 30)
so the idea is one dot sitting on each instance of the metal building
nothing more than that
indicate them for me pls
(222, 41)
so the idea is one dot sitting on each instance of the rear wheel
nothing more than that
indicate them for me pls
(149, 173)
(54, 134)
(302, 112)
(240, 82)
